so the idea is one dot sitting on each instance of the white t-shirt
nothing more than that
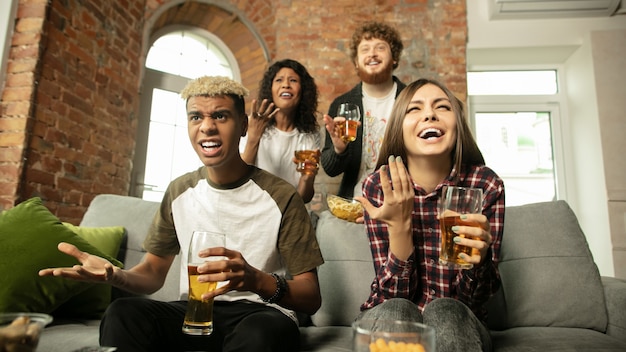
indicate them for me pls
(276, 153)
(258, 216)
(375, 115)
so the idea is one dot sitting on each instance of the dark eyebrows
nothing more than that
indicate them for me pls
(222, 112)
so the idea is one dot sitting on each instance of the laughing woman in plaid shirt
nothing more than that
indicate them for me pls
(427, 145)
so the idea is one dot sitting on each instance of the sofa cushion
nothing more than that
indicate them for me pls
(135, 215)
(347, 272)
(549, 278)
(29, 235)
(554, 339)
(91, 303)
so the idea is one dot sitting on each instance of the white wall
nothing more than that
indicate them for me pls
(8, 8)
(588, 164)
(566, 44)
(609, 58)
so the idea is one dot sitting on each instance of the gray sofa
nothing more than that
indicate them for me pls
(552, 296)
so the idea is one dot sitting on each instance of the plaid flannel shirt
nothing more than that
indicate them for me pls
(421, 278)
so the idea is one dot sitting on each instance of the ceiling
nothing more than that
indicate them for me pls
(525, 9)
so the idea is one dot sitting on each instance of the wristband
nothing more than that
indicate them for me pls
(281, 289)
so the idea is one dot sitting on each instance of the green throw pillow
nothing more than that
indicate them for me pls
(91, 303)
(29, 235)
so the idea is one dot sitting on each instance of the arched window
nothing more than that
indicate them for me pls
(191, 53)
(163, 151)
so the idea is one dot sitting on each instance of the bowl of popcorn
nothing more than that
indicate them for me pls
(381, 335)
(343, 208)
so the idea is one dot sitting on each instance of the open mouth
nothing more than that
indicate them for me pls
(431, 133)
(286, 95)
(210, 145)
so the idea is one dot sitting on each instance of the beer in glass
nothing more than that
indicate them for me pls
(454, 202)
(352, 115)
(307, 153)
(199, 314)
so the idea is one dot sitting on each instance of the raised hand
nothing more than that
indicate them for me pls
(260, 115)
(92, 268)
(398, 203)
(398, 195)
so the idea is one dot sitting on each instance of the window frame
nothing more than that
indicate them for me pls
(162, 80)
(215, 40)
(553, 104)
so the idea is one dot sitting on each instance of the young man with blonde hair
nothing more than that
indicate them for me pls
(271, 253)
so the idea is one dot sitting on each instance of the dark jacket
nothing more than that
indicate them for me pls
(349, 162)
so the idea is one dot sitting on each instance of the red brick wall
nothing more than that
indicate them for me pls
(77, 71)
(70, 102)
(17, 98)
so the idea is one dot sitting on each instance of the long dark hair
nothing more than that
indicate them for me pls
(465, 151)
(305, 119)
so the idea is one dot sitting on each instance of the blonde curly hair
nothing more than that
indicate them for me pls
(213, 86)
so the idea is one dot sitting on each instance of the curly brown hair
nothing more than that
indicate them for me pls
(381, 31)
(305, 119)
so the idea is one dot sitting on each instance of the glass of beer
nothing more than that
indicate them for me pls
(307, 153)
(352, 115)
(454, 202)
(199, 314)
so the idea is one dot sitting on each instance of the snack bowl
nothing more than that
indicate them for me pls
(40, 318)
(343, 208)
(23, 330)
(374, 335)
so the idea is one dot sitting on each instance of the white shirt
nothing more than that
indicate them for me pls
(376, 112)
(276, 153)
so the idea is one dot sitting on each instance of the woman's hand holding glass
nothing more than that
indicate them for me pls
(398, 203)
(479, 238)
(307, 154)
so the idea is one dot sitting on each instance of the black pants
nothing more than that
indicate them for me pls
(140, 324)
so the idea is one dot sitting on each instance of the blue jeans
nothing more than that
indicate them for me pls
(456, 327)
(140, 324)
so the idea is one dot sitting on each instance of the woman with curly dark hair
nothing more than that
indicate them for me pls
(286, 107)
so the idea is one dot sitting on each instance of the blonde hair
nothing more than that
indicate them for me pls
(213, 86)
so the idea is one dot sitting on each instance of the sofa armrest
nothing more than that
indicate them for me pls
(615, 296)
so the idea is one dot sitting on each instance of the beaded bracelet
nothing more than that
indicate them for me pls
(281, 289)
